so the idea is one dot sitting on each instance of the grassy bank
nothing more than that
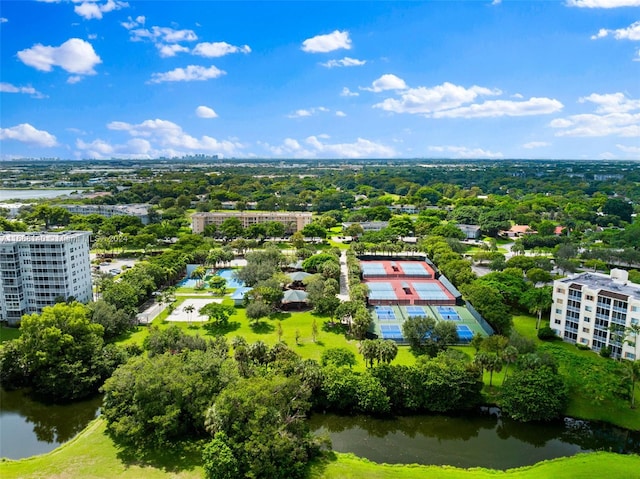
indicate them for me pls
(92, 454)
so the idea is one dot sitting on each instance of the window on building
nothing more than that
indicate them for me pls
(588, 308)
(589, 297)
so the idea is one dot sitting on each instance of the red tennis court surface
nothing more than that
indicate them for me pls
(408, 291)
(396, 269)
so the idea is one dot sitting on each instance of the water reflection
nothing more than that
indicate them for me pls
(478, 440)
(28, 427)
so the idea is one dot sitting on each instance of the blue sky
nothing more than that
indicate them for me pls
(295, 79)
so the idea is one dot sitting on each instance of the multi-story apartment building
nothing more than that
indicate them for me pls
(596, 310)
(292, 221)
(138, 210)
(37, 268)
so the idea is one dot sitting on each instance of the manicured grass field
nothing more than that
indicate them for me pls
(7, 334)
(266, 330)
(92, 454)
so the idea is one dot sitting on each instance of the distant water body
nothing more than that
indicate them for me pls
(28, 194)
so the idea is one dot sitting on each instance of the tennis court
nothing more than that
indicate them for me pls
(415, 311)
(429, 291)
(372, 269)
(391, 331)
(448, 313)
(381, 291)
(385, 313)
(464, 333)
(414, 269)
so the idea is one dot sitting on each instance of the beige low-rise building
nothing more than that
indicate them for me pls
(292, 221)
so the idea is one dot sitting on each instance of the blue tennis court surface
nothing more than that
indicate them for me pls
(429, 291)
(373, 269)
(385, 313)
(391, 331)
(416, 311)
(464, 333)
(412, 268)
(448, 313)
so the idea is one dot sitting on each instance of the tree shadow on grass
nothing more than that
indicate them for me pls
(221, 329)
(280, 316)
(335, 327)
(183, 456)
(262, 327)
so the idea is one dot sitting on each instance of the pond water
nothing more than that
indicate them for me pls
(478, 440)
(28, 194)
(28, 428)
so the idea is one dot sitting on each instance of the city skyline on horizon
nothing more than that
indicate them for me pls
(109, 79)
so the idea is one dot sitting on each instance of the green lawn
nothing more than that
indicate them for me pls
(265, 331)
(7, 334)
(93, 455)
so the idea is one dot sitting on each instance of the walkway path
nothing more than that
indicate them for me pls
(344, 278)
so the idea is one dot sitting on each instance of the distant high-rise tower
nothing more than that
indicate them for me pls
(38, 268)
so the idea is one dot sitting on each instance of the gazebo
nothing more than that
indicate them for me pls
(294, 296)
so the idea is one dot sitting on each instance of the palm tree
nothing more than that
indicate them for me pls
(634, 374)
(509, 356)
(538, 300)
(631, 338)
(189, 310)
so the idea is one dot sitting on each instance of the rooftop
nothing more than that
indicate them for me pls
(598, 281)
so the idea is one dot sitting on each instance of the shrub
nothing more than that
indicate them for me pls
(547, 334)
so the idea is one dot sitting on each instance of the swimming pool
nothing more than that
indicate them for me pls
(231, 281)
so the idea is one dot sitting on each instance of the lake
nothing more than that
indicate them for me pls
(475, 440)
(483, 439)
(30, 194)
(28, 428)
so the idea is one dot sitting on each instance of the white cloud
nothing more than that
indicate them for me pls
(497, 108)
(386, 82)
(170, 50)
(536, 144)
(346, 92)
(615, 115)
(344, 62)
(74, 79)
(75, 56)
(454, 101)
(29, 90)
(191, 73)
(206, 112)
(133, 23)
(91, 9)
(335, 40)
(300, 113)
(465, 152)
(603, 3)
(135, 148)
(26, 133)
(632, 32)
(424, 100)
(496, 2)
(218, 49)
(3, 20)
(161, 34)
(611, 102)
(304, 112)
(340, 113)
(634, 150)
(172, 140)
(361, 148)
(313, 147)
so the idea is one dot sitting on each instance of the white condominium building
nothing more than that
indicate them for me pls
(292, 221)
(596, 310)
(138, 210)
(37, 268)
